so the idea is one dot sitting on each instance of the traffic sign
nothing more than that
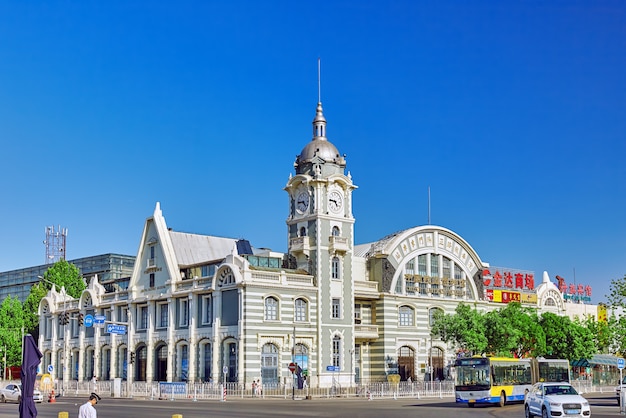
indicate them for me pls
(88, 320)
(225, 369)
(292, 367)
(50, 368)
(98, 321)
(332, 368)
(620, 363)
(116, 329)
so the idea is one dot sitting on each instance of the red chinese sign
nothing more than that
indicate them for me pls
(501, 278)
(573, 289)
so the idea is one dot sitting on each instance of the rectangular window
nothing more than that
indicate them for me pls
(336, 308)
(336, 352)
(163, 315)
(207, 310)
(143, 317)
(357, 313)
(151, 279)
(184, 312)
(421, 265)
(208, 271)
(434, 265)
(446, 267)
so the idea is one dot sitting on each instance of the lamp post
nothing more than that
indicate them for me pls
(351, 366)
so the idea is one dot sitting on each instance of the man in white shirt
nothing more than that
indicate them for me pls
(87, 410)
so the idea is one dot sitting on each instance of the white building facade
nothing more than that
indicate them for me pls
(204, 308)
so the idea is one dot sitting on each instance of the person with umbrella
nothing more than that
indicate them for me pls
(87, 410)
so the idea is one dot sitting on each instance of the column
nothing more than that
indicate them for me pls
(192, 365)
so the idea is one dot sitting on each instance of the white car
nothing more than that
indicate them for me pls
(555, 399)
(13, 393)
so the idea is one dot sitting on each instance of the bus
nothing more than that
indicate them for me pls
(550, 370)
(502, 380)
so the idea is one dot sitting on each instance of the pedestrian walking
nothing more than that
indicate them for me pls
(87, 410)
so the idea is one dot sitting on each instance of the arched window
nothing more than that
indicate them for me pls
(434, 313)
(300, 310)
(336, 232)
(269, 365)
(550, 302)
(302, 231)
(336, 274)
(271, 309)
(405, 314)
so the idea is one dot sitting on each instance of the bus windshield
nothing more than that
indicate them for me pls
(472, 374)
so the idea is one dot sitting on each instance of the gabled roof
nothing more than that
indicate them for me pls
(193, 249)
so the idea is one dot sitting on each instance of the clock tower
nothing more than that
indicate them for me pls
(321, 241)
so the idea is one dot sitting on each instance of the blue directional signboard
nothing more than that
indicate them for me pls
(98, 321)
(88, 320)
(116, 329)
(332, 368)
(620, 363)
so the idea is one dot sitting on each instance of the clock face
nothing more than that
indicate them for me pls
(335, 201)
(302, 202)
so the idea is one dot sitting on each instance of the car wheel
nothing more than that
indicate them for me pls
(4, 400)
(528, 413)
(471, 405)
(19, 399)
(502, 399)
(544, 413)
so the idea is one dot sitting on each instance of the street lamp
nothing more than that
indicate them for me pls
(351, 366)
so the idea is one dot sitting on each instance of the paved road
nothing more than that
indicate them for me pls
(602, 405)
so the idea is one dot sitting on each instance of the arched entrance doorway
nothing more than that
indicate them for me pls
(141, 360)
(406, 363)
(436, 362)
(160, 363)
(269, 365)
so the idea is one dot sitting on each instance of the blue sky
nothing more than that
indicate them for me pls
(513, 113)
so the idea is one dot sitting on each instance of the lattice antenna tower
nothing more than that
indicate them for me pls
(55, 244)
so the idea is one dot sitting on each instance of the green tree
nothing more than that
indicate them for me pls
(603, 333)
(566, 338)
(62, 274)
(12, 320)
(465, 328)
(514, 331)
(617, 292)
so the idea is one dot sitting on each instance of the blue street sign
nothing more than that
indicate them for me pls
(620, 363)
(116, 329)
(88, 320)
(50, 368)
(332, 368)
(99, 319)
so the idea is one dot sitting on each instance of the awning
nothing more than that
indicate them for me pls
(598, 359)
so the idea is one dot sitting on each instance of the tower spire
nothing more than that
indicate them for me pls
(319, 123)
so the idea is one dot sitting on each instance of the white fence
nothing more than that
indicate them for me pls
(215, 391)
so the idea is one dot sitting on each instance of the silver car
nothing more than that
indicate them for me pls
(555, 399)
(13, 393)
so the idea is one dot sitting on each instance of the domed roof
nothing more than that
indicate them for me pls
(319, 146)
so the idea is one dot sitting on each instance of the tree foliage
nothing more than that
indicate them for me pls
(617, 293)
(517, 331)
(464, 328)
(12, 320)
(63, 275)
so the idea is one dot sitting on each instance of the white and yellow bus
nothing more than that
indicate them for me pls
(501, 380)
